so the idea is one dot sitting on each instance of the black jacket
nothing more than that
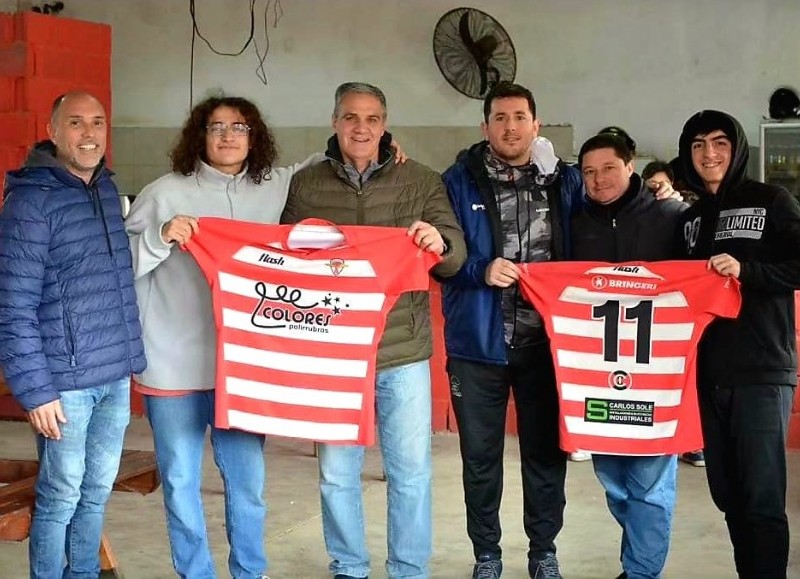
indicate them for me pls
(634, 228)
(759, 225)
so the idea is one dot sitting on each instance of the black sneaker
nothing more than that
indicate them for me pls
(340, 576)
(486, 567)
(544, 568)
(696, 458)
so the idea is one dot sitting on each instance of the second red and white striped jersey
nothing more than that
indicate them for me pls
(624, 340)
(298, 330)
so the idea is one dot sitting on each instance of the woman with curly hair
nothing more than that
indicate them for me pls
(221, 167)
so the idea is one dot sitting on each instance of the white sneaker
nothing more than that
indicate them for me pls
(580, 456)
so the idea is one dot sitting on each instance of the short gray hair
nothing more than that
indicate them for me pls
(357, 87)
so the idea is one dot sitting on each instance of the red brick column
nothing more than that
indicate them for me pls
(794, 424)
(41, 57)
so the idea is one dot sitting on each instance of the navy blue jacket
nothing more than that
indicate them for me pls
(68, 313)
(472, 310)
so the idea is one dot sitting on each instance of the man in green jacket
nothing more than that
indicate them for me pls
(361, 185)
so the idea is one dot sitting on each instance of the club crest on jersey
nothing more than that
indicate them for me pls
(620, 380)
(337, 265)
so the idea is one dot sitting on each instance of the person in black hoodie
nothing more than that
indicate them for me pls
(623, 221)
(747, 367)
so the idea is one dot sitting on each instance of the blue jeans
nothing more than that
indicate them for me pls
(179, 425)
(403, 408)
(75, 478)
(640, 492)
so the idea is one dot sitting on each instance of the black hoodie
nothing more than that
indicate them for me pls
(759, 225)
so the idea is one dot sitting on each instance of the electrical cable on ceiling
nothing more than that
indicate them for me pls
(260, 71)
(196, 30)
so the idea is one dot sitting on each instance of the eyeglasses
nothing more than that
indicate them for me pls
(236, 129)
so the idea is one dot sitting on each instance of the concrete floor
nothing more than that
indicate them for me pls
(588, 545)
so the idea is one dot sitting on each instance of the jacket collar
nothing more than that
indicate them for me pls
(208, 174)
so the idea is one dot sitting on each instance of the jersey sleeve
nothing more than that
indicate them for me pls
(727, 298)
(531, 282)
(400, 265)
(711, 293)
(412, 273)
(198, 246)
(218, 239)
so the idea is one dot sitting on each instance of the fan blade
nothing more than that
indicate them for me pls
(483, 49)
(464, 33)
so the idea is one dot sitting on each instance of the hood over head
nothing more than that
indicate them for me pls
(703, 123)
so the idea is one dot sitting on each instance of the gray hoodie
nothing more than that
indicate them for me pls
(174, 297)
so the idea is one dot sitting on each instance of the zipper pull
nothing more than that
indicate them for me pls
(72, 361)
(614, 223)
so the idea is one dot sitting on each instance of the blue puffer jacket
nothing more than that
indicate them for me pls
(68, 313)
(473, 327)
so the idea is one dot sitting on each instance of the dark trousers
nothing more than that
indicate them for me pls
(480, 394)
(745, 449)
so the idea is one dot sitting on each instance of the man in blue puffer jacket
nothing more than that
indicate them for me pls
(514, 200)
(69, 330)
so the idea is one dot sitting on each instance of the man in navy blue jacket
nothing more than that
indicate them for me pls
(514, 199)
(69, 330)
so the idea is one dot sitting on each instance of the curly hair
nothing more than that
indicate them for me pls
(191, 146)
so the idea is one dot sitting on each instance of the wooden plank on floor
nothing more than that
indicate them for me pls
(13, 470)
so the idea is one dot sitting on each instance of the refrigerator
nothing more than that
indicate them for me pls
(779, 154)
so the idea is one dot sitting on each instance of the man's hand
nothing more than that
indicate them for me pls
(663, 190)
(427, 237)
(400, 156)
(725, 264)
(179, 229)
(501, 273)
(45, 419)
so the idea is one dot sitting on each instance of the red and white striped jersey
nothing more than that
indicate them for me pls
(624, 341)
(298, 329)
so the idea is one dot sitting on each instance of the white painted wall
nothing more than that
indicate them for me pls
(643, 64)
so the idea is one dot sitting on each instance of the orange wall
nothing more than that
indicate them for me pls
(41, 57)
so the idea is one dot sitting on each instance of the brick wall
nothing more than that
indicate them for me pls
(41, 57)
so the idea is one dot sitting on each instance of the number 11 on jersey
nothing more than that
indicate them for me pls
(642, 313)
